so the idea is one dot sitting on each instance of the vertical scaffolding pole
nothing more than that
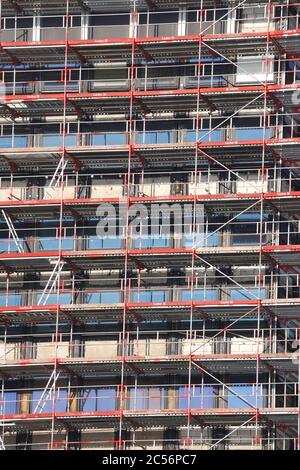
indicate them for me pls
(194, 229)
(126, 228)
(261, 231)
(61, 213)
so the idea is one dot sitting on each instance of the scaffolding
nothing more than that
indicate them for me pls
(182, 341)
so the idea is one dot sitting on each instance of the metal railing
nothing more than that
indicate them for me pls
(149, 345)
(206, 21)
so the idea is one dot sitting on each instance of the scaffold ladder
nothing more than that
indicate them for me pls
(46, 395)
(83, 400)
(2, 446)
(13, 232)
(57, 175)
(53, 278)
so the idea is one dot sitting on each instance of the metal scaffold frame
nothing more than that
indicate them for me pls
(127, 371)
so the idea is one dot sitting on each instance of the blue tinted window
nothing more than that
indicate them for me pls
(10, 402)
(54, 140)
(200, 397)
(246, 392)
(103, 399)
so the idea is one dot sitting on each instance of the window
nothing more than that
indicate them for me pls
(111, 20)
(45, 404)
(75, 21)
(253, 13)
(110, 73)
(98, 399)
(53, 140)
(110, 77)
(26, 350)
(8, 23)
(23, 22)
(13, 299)
(250, 128)
(250, 293)
(253, 69)
(199, 294)
(10, 402)
(52, 21)
(150, 296)
(159, 18)
(147, 398)
(200, 397)
(247, 393)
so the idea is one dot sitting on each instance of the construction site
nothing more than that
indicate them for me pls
(148, 340)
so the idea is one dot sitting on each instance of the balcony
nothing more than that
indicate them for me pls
(149, 345)
(162, 24)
